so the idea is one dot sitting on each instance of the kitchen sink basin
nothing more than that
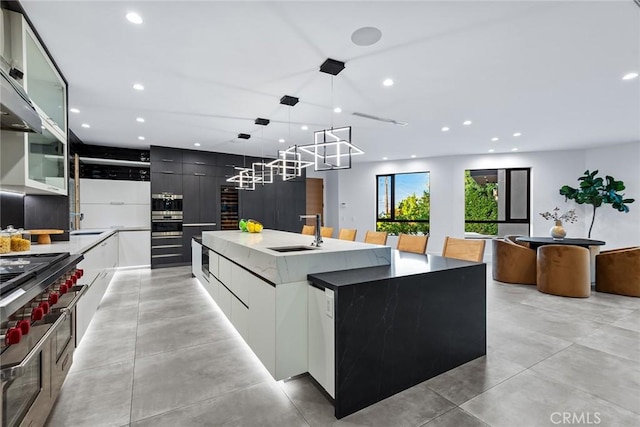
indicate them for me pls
(283, 249)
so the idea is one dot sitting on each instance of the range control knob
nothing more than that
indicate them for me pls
(45, 307)
(70, 282)
(13, 336)
(37, 314)
(25, 326)
(53, 298)
(64, 288)
(80, 272)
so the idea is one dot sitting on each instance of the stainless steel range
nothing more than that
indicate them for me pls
(38, 295)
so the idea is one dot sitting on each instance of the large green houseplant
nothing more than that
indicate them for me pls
(593, 191)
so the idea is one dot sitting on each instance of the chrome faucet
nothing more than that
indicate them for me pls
(318, 239)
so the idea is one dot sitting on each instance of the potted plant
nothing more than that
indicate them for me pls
(593, 191)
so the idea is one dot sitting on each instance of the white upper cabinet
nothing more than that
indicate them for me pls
(35, 163)
(44, 85)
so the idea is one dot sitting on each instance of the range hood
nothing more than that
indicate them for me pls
(17, 111)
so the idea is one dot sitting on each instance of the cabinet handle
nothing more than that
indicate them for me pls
(104, 244)
(53, 188)
(117, 203)
(199, 174)
(166, 160)
(199, 163)
(168, 172)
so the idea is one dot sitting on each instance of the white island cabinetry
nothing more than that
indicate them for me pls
(264, 293)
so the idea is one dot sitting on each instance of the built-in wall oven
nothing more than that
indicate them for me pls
(166, 228)
(166, 203)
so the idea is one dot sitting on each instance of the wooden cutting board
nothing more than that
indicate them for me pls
(44, 236)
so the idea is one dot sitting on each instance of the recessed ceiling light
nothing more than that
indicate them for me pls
(630, 76)
(140, 120)
(445, 129)
(366, 36)
(74, 110)
(413, 156)
(141, 138)
(517, 134)
(387, 82)
(495, 138)
(281, 140)
(138, 86)
(467, 122)
(304, 127)
(337, 110)
(84, 125)
(197, 144)
(134, 18)
(491, 150)
(384, 158)
(514, 149)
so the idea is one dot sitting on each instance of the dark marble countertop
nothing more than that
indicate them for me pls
(402, 264)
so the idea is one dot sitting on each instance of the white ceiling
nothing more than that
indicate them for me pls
(551, 70)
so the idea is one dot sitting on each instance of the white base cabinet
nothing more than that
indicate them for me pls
(99, 264)
(271, 319)
(134, 248)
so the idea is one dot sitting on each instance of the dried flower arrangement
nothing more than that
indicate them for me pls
(569, 216)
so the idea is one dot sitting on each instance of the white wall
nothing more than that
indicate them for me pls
(549, 171)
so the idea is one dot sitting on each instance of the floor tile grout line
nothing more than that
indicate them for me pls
(135, 350)
(295, 406)
(450, 410)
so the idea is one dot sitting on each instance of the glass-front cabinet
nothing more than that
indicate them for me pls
(34, 163)
(46, 161)
(44, 85)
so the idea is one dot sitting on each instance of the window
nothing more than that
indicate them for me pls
(497, 202)
(403, 203)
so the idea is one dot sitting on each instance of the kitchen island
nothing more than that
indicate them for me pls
(364, 320)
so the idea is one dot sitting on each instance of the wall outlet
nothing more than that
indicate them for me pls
(329, 306)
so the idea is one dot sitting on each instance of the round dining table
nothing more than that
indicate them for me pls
(536, 242)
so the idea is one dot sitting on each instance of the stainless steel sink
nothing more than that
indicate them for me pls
(293, 248)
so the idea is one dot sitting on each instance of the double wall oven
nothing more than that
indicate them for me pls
(166, 228)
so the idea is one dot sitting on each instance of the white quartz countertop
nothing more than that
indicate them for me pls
(80, 241)
(251, 250)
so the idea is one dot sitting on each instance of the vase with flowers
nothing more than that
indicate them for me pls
(557, 231)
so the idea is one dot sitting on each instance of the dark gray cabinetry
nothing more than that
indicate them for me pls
(199, 177)
(162, 182)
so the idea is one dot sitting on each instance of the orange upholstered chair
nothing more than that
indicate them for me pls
(347, 234)
(564, 270)
(412, 243)
(326, 231)
(618, 271)
(309, 230)
(376, 237)
(513, 263)
(467, 250)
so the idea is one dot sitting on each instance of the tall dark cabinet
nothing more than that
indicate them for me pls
(200, 177)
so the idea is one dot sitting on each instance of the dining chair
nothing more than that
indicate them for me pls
(513, 263)
(326, 231)
(347, 234)
(309, 230)
(618, 271)
(564, 270)
(412, 243)
(464, 249)
(376, 237)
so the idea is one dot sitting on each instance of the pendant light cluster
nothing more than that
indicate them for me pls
(331, 150)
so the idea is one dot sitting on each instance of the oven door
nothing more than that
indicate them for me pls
(166, 203)
(168, 227)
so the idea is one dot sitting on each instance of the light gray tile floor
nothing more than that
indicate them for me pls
(160, 353)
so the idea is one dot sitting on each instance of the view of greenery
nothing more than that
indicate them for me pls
(480, 204)
(410, 211)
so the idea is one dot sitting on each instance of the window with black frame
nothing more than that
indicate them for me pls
(497, 202)
(403, 203)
